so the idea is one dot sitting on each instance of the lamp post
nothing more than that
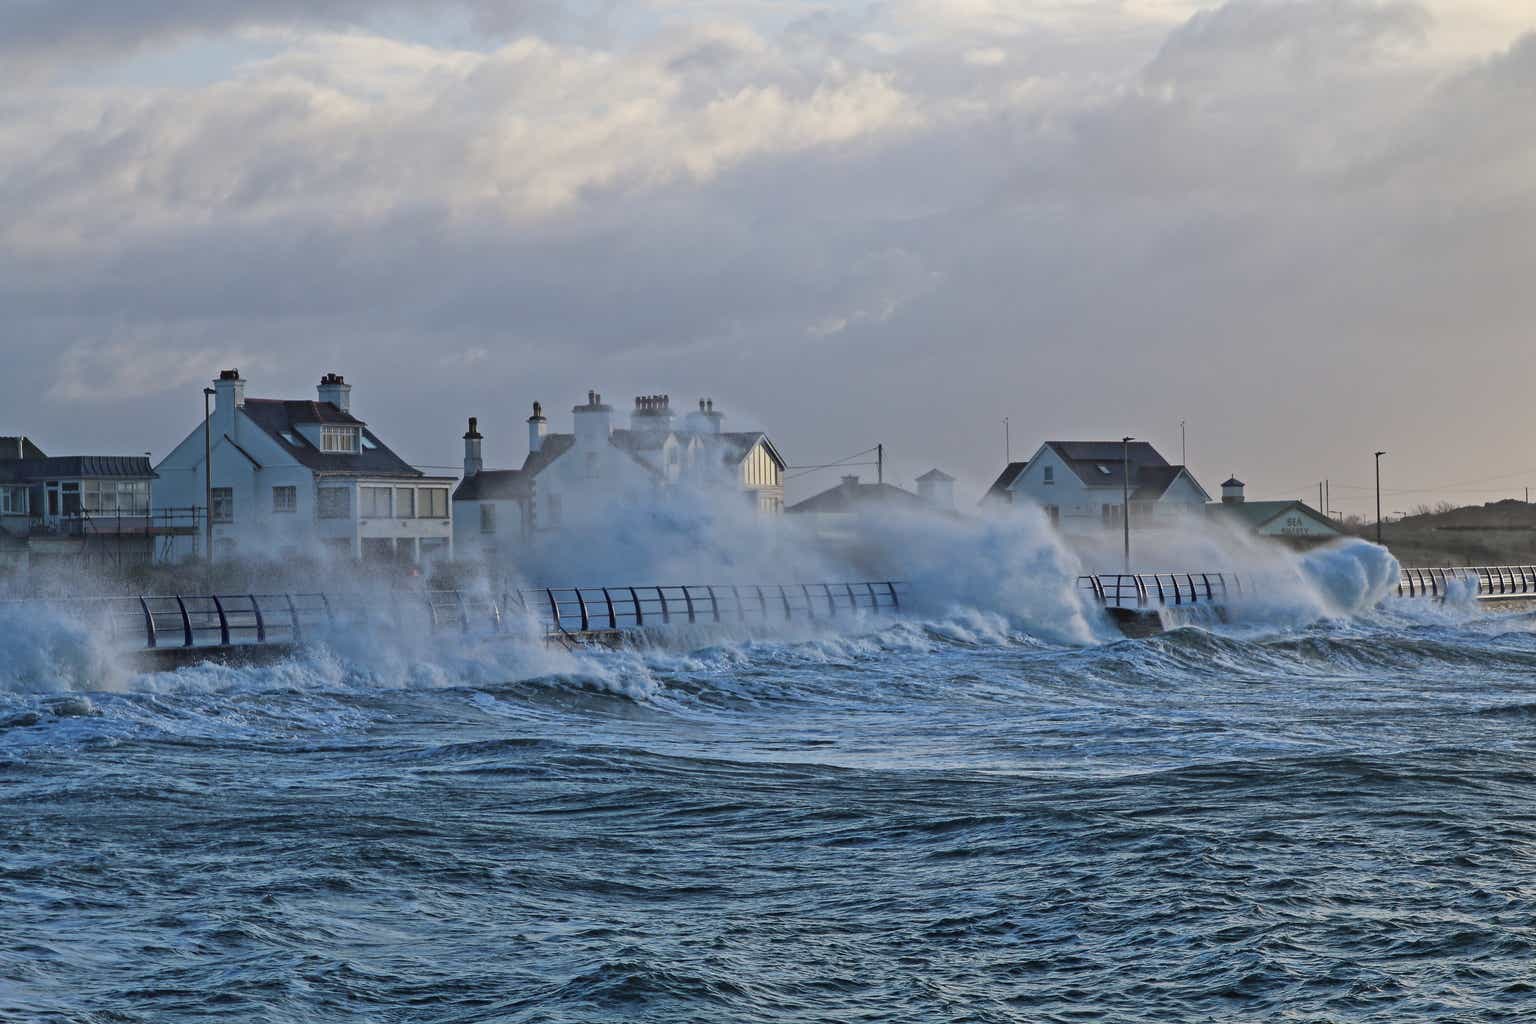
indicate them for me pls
(207, 478)
(1007, 443)
(1125, 496)
(1378, 496)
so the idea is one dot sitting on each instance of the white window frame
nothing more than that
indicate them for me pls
(1048, 475)
(338, 440)
(432, 503)
(368, 502)
(325, 507)
(487, 517)
(223, 504)
(285, 499)
(404, 496)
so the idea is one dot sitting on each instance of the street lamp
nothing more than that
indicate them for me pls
(207, 478)
(1378, 496)
(1125, 496)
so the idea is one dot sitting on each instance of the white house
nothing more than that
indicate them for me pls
(294, 475)
(1082, 485)
(577, 479)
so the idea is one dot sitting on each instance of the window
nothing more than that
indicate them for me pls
(13, 501)
(369, 444)
(1111, 514)
(338, 439)
(128, 497)
(376, 503)
(1103, 469)
(1053, 513)
(405, 502)
(1048, 475)
(487, 518)
(291, 438)
(335, 503)
(554, 510)
(592, 465)
(432, 503)
(223, 505)
(71, 491)
(285, 499)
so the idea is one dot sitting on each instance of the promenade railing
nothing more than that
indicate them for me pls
(227, 620)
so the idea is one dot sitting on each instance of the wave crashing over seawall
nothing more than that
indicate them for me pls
(1321, 813)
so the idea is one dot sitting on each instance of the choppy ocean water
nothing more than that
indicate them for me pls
(949, 820)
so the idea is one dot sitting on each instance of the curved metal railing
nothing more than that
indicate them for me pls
(183, 621)
(1161, 589)
(1486, 582)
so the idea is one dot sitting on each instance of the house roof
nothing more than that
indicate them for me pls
(494, 485)
(739, 443)
(1259, 514)
(1152, 482)
(280, 418)
(554, 446)
(1232, 481)
(936, 474)
(1102, 463)
(1005, 480)
(17, 447)
(77, 467)
(848, 497)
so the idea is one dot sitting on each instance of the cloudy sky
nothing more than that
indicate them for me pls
(1307, 228)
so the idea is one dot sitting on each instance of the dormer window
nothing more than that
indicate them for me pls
(338, 439)
(1049, 474)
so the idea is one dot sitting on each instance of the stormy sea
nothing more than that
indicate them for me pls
(953, 816)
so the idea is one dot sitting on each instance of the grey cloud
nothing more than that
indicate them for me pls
(1298, 272)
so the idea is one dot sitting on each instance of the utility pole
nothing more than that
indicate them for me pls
(1183, 447)
(1378, 496)
(1327, 501)
(1125, 496)
(1321, 500)
(1007, 443)
(207, 478)
(879, 463)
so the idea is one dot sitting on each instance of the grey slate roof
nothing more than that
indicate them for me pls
(1005, 479)
(1084, 458)
(936, 474)
(494, 485)
(19, 447)
(847, 498)
(275, 416)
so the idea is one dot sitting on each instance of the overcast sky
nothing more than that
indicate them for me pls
(1307, 228)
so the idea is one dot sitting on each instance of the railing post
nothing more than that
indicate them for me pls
(293, 618)
(458, 597)
(261, 623)
(831, 602)
(586, 623)
(635, 599)
(895, 601)
(666, 613)
(688, 600)
(218, 606)
(784, 597)
(554, 609)
(810, 606)
(714, 602)
(330, 613)
(762, 602)
(613, 621)
(186, 622)
(149, 623)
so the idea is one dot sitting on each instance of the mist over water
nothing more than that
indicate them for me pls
(991, 809)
